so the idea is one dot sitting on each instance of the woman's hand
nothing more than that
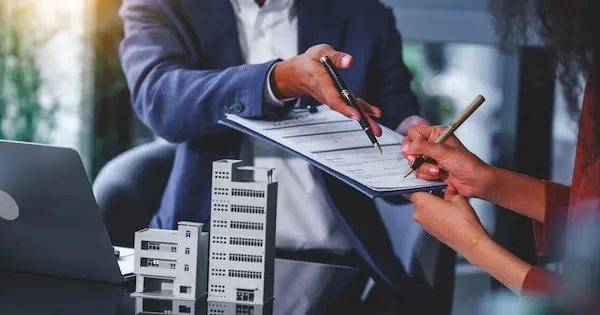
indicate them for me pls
(451, 220)
(461, 170)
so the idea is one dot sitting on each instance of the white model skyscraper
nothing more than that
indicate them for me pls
(242, 233)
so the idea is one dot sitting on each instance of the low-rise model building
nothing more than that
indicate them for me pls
(171, 265)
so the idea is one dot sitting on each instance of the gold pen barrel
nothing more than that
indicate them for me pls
(450, 130)
(460, 119)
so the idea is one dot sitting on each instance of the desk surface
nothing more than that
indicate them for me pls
(300, 288)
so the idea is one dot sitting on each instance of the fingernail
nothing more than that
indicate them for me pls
(346, 61)
(410, 158)
(406, 148)
(434, 171)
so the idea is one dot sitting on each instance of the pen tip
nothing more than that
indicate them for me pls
(378, 148)
(410, 170)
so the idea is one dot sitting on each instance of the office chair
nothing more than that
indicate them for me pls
(129, 189)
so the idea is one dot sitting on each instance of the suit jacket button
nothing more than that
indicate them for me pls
(238, 108)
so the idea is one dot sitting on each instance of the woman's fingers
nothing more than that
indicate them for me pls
(425, 176)
(420, 133)
(430, 169)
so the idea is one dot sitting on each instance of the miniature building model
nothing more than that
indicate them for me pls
(242, 234)
(168, 306)
(228, 308)
(171, 265)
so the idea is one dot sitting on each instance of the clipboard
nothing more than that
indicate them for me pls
(371, 193)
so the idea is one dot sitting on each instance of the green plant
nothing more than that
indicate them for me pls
(23, 114)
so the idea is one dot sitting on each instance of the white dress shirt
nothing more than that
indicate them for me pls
(305, 212)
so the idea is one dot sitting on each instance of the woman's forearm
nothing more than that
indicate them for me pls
(499, 263)
(520, 193)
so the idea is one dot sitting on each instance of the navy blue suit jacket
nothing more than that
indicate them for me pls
(185, 70)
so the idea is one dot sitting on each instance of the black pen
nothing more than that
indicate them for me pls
(351, 100)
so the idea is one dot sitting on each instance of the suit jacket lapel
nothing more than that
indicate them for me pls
(320, 23)
(215, 25)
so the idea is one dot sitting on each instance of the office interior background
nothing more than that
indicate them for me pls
(61, 83)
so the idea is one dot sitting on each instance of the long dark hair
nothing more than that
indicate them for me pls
(572, 28)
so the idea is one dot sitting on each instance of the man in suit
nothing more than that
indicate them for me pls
(189, 62)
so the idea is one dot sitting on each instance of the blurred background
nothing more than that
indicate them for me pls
(61, 83)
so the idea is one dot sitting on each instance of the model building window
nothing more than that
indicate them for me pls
(172, 266)
(244, 309)
(173, 249)
(245, 258)
(247, 209)
(247, 193)
(246, 225)
(187, 250)
(186, 267)
(245, 295)
(188, 233)
(184, 289)
(246, 241)
(245, 274)
(184, 309)
(152, 263)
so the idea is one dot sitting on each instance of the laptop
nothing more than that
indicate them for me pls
(50, 223)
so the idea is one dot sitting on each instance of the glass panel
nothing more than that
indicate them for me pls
(447, 78)
(564, 139)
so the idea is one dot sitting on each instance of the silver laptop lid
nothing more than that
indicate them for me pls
(59, 229)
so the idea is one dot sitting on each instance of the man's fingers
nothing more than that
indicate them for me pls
(340, 106)
(332, 99)
(368, 108)
(375, 128)
(371, 110)
(340, 59)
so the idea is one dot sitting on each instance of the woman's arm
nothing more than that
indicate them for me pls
(468, 175)
(522, 194)
(499, 263)
(453, 221)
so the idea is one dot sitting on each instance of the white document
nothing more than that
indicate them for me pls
(339, 143)
(126, 260)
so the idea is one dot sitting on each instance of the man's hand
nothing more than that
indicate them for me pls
(305, 75)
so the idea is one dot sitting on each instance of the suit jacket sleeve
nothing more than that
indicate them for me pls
(177, 98)
(390, 84)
